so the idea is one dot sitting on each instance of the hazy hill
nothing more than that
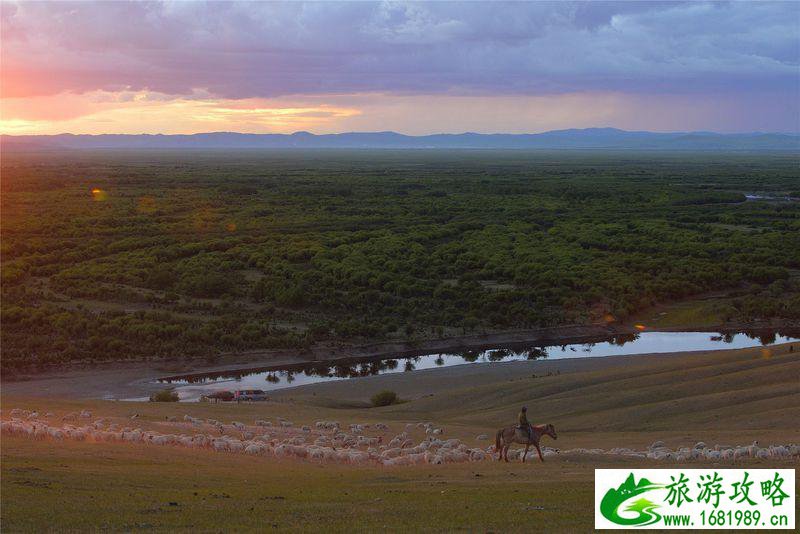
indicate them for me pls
(590, 138)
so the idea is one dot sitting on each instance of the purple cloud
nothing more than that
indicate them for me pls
(265, 49)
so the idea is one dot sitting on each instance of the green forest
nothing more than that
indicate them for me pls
(172, 255)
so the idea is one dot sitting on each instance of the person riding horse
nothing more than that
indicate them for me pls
(524, 425)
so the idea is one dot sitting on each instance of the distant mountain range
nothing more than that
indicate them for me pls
(590, 138)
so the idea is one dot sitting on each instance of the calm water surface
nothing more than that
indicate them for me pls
(192, 387)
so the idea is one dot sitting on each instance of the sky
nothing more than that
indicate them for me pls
(415, 68)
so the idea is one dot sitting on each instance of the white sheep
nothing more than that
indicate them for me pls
(255, 448)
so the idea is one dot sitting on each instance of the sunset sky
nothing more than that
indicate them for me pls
(416, 68)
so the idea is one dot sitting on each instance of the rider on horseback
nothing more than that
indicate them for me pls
(524, 425)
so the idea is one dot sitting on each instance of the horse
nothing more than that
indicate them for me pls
(512, 434)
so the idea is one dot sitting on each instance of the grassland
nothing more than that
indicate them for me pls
(136, 263)
(725, 397)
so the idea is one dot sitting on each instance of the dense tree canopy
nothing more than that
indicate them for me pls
(165, 254)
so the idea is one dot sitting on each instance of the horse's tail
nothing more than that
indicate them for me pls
(497, 440)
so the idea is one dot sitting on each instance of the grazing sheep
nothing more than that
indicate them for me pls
(739, 453)
(285, 449)
(779, 452)
(327, 425)
(348, 448)
(477, 455)
(398, 440)
(254, 448)
(158, 440)
(364, 441)
(391, 453)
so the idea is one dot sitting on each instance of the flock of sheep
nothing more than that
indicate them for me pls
(330, 442)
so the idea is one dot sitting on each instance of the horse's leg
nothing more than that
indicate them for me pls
(539, 451)
(527, 446)
(505, 451)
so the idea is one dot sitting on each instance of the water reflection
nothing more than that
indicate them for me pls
(621, 339)
(536, 353)
(636, 343)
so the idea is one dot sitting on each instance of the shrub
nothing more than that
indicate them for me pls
(385, 398)
(165, 395)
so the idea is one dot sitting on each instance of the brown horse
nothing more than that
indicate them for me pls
(506, 436)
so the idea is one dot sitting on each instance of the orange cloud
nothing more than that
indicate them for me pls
(153, 112)
(138, 112)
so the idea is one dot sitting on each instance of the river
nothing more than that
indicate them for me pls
(190, 387)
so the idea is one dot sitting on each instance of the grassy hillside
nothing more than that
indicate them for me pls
(727, 397)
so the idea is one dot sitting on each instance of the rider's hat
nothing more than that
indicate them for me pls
(524, 408)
